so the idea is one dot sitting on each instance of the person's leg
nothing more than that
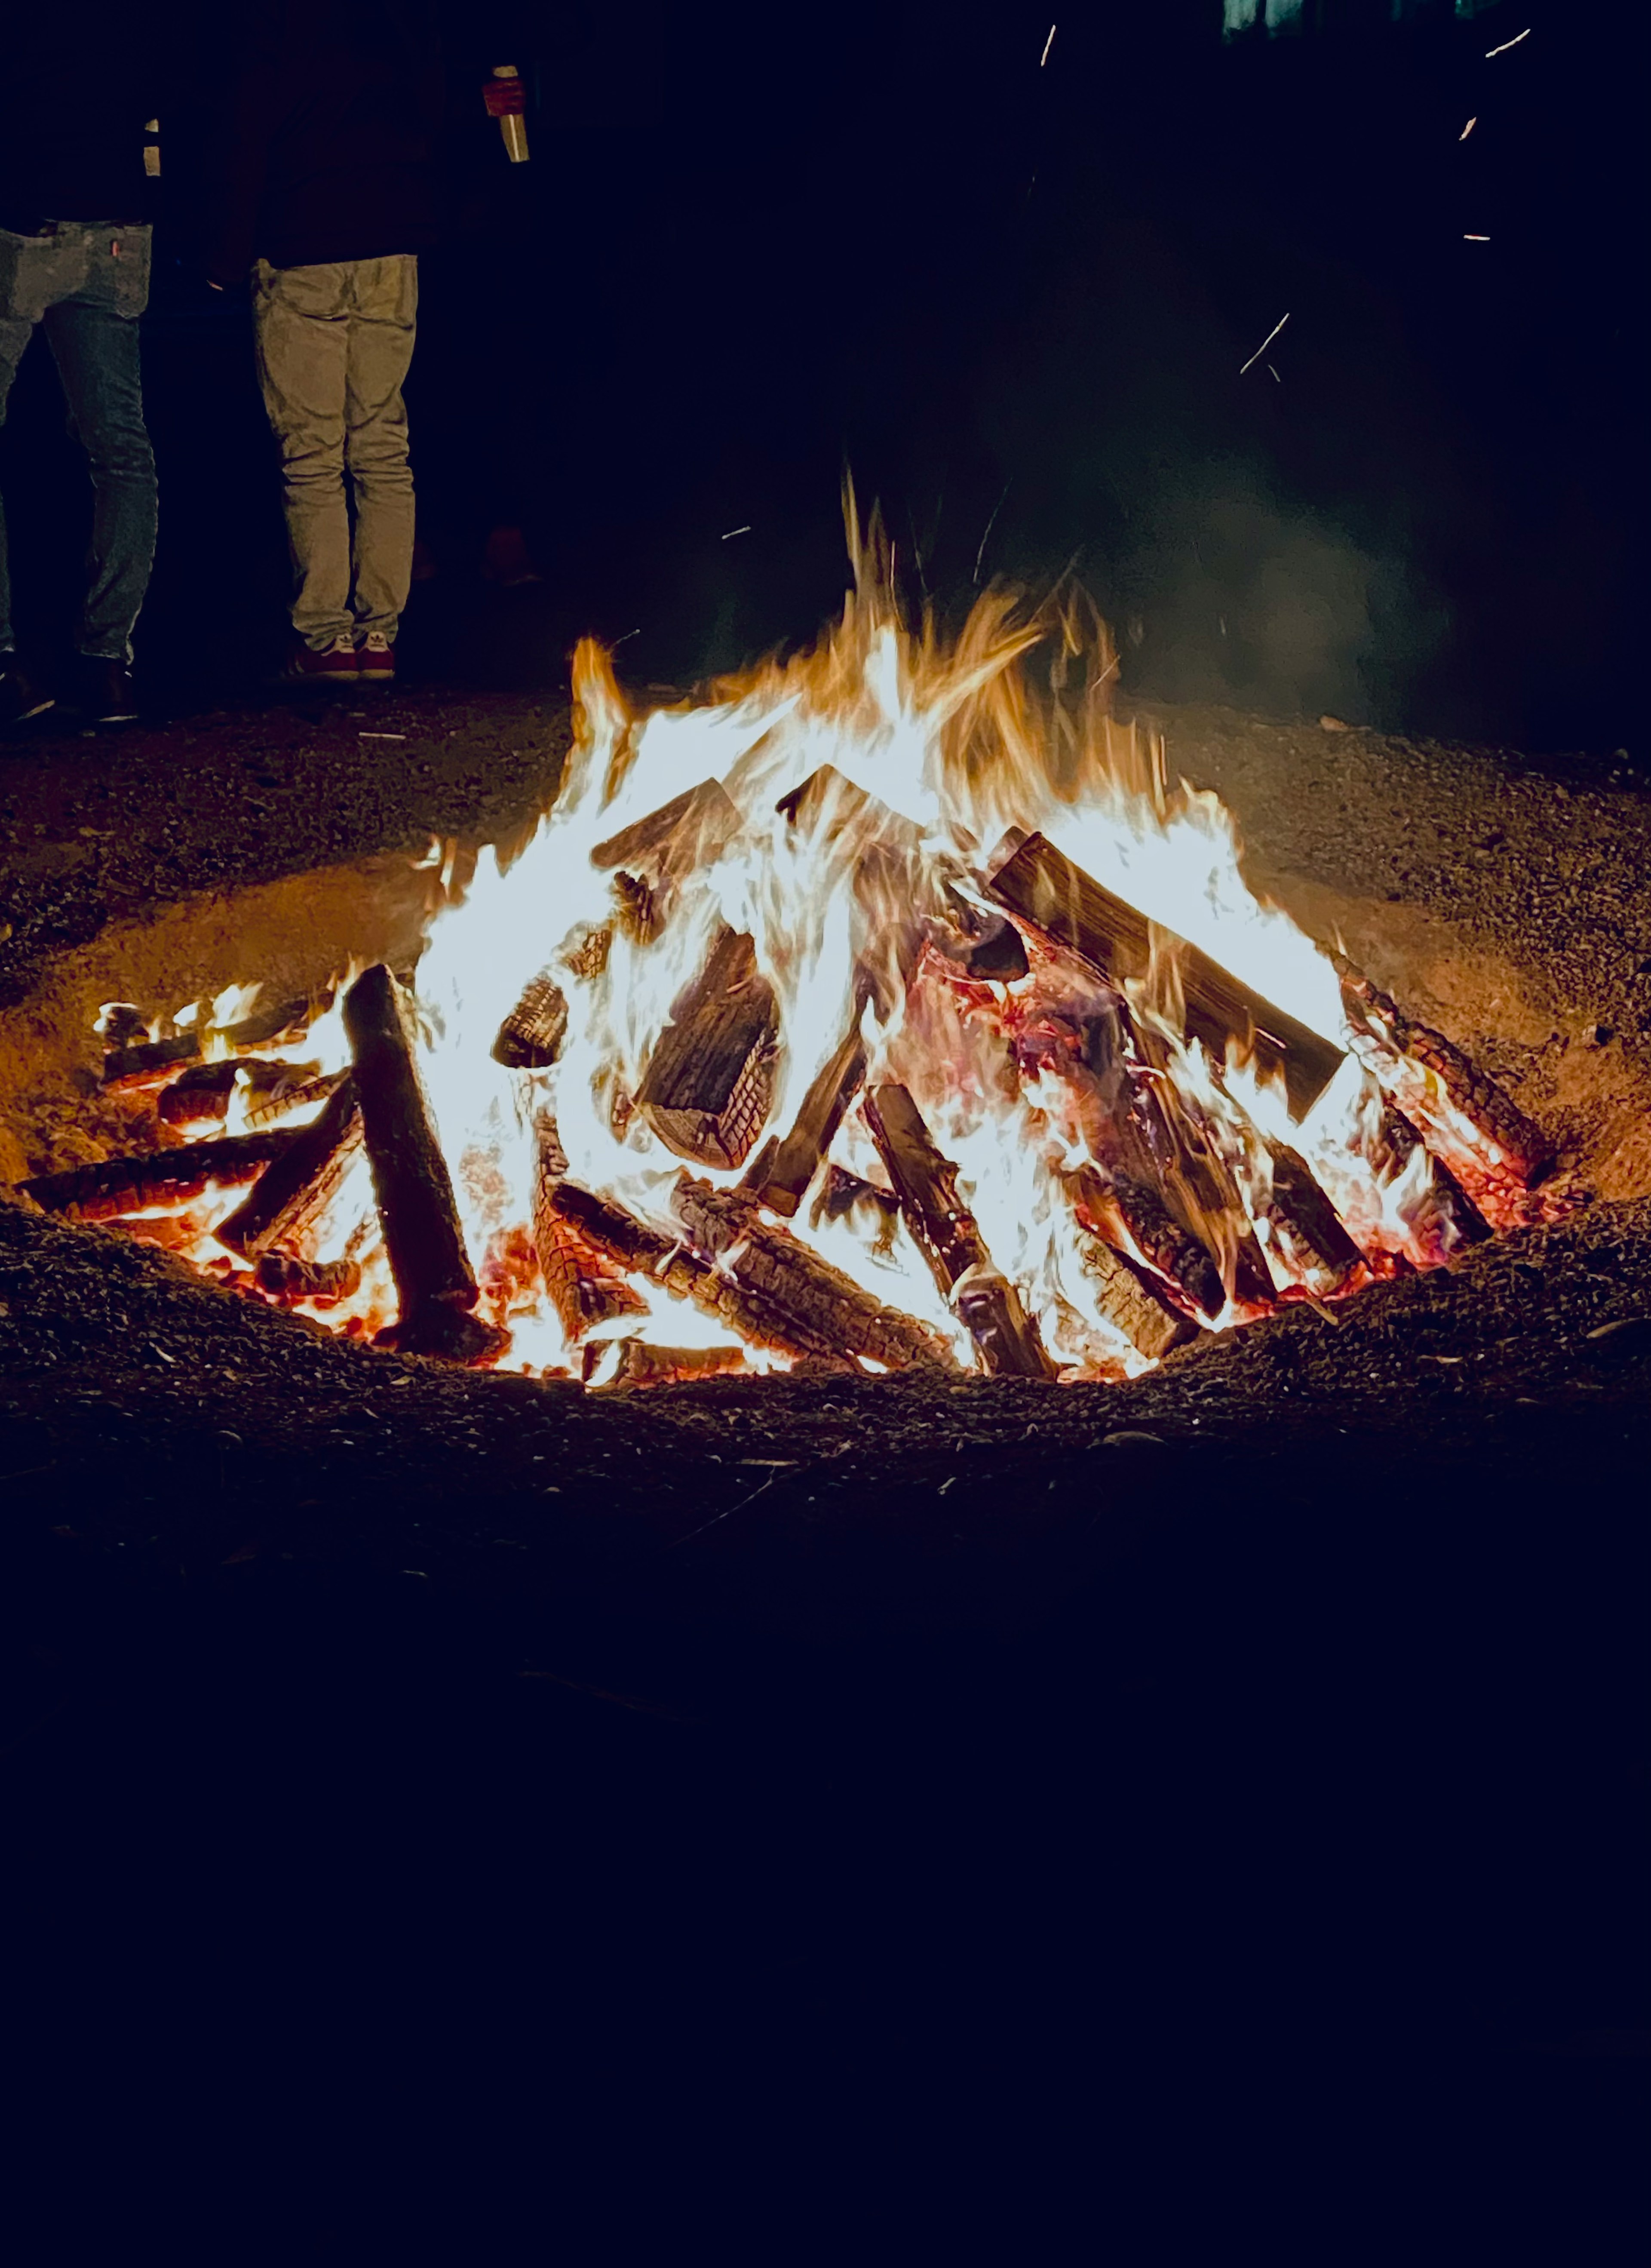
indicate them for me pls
(301, 323)
(381, 332)
(29, 274)
(93, 337)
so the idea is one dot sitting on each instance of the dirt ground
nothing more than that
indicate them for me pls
(959, 1727)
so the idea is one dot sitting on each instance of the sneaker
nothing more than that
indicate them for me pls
(335, 662)
(375, 658)
(105, 691)
(20, 698)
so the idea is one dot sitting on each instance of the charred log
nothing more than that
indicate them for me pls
(948, 1237)
(531, 1036)
(1042, 887)
(639, 1364)
(436, 1287)
(284, 1275)
(289, 1200)
(779, 1175)
(828, 1312)
(1434, 1084)
(1314, 1245)
(1449, 1219)
(168, 1180)
(710, 1079)
(1132, 1301)
(202, 1096)
(580, 1281)
(1132, 1218)
(692, 829)
(141, 1063)
(282, 1100)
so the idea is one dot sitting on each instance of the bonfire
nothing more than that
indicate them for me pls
(887, 1006)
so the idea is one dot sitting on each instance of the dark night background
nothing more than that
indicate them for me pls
(754, 247)
(1200, 1906)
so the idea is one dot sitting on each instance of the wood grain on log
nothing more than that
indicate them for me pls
(948, 1237)
(531, 1036)
(828, 1312)
(200, 1096)
(1133, 1218)
(281, 1101)
(290, 1198)
(1422, 1071)
(436, 1287)
(580, 1281)
(779, 1175)
(1042, 887)
(1132, 1301)
(1312, 1240)
(168, 1180)
(140, 1063)
(709, 1079)
(287, 1277)
(692, 829)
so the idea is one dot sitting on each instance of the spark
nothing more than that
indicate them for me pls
(1266, 343)
(990, 525)
(734, 532)
(1513, 42)
(618, 642)
(1476, 240)
(1048, 43)
(1276, 378)
(1469, 128)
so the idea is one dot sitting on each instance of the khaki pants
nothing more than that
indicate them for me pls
(334, 343)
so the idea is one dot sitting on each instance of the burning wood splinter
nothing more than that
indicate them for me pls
(949, 1238)
(435, 1287)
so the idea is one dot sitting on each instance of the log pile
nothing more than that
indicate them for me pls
(1179, 1213)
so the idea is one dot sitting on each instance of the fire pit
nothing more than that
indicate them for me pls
(888, 1009)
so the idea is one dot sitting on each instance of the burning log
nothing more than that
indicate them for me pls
(1131, 1302)
(1134, 1219)
(948, 1237)
(828, 1312)
(531, 1036)
(138, 1063)
(168, 1180)
(1310, 1237)
(286, 1276)
(768, 1288)
(692, 829)
(580, 1283)
(1448, 1097)
(710, 1079)
(435, 1287)
(202, 1096)
(779, 1175)
(299, 1187)
(1040, 886)
(286, 1101)
(1448, 1217)
(132, 1060)
(638, 1364)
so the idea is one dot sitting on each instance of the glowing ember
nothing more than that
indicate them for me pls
(888, 1005)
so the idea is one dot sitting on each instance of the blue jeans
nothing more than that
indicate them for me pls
(86, 283)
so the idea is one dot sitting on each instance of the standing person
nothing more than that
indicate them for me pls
(79, 84)
(326, 182)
